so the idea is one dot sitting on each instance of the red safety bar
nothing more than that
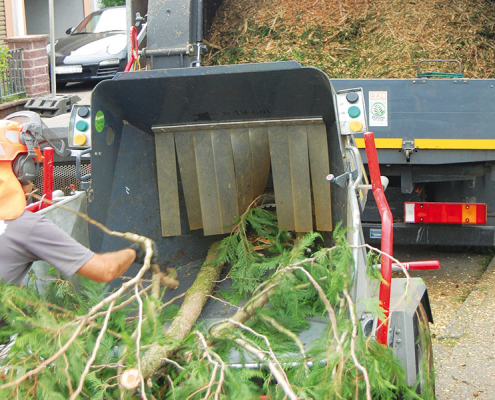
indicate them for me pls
(387, 234)
(134, 49)
(417, 265)
(48, 173)
(414, 266)
(47, 182)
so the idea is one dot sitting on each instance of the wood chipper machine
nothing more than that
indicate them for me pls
(178, 154)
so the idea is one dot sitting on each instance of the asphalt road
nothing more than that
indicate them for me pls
(83, 93)
(81, 89)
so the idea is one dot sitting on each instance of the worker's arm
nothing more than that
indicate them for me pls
(107, 266)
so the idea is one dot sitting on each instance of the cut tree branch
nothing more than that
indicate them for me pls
(189, 312)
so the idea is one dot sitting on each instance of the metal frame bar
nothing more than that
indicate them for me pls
(387, 235)
(47, 182)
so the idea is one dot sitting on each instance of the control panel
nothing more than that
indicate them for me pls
(80, 126)
(351, 111)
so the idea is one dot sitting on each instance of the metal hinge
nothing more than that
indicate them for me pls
(408, 148)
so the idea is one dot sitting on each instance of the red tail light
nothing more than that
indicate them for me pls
(445, 213)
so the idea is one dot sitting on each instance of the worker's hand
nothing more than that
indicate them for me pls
(141, 252)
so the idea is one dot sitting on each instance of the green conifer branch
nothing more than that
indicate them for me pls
(285, 281)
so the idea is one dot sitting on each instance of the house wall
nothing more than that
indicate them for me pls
(3, 26)
(35, 63)
(14, 17)
(67, 15)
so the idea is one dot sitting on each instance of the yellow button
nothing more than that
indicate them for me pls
(356, 126)
(80, 139)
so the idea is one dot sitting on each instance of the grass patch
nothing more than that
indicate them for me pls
(462, 298)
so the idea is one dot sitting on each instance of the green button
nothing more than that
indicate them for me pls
(354, 111)
(81, 126)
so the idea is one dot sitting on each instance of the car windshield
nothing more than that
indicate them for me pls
(110, 19)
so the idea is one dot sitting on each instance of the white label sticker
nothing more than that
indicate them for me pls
(378, 115)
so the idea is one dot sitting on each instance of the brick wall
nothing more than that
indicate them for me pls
(35, 63)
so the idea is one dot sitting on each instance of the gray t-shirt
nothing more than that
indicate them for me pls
(32, 237)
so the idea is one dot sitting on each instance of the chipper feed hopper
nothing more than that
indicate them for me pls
(181, 152)
(178, 154)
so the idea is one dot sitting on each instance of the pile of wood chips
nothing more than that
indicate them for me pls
(357, 38)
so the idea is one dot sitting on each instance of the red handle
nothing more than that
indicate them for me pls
(134, 49)
(47, 181)
(420, 265)
(387, 234)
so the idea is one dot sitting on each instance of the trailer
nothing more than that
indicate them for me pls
(435, 143)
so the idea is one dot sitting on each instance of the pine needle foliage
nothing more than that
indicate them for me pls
(42, 324)
(297, 308)
(290, 287)
(248, 267)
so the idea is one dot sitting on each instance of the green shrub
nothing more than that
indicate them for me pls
(4, 59)
(112, 3)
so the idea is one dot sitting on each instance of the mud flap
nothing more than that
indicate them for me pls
(409, 334)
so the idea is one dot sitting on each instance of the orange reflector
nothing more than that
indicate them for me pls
(445, 213)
